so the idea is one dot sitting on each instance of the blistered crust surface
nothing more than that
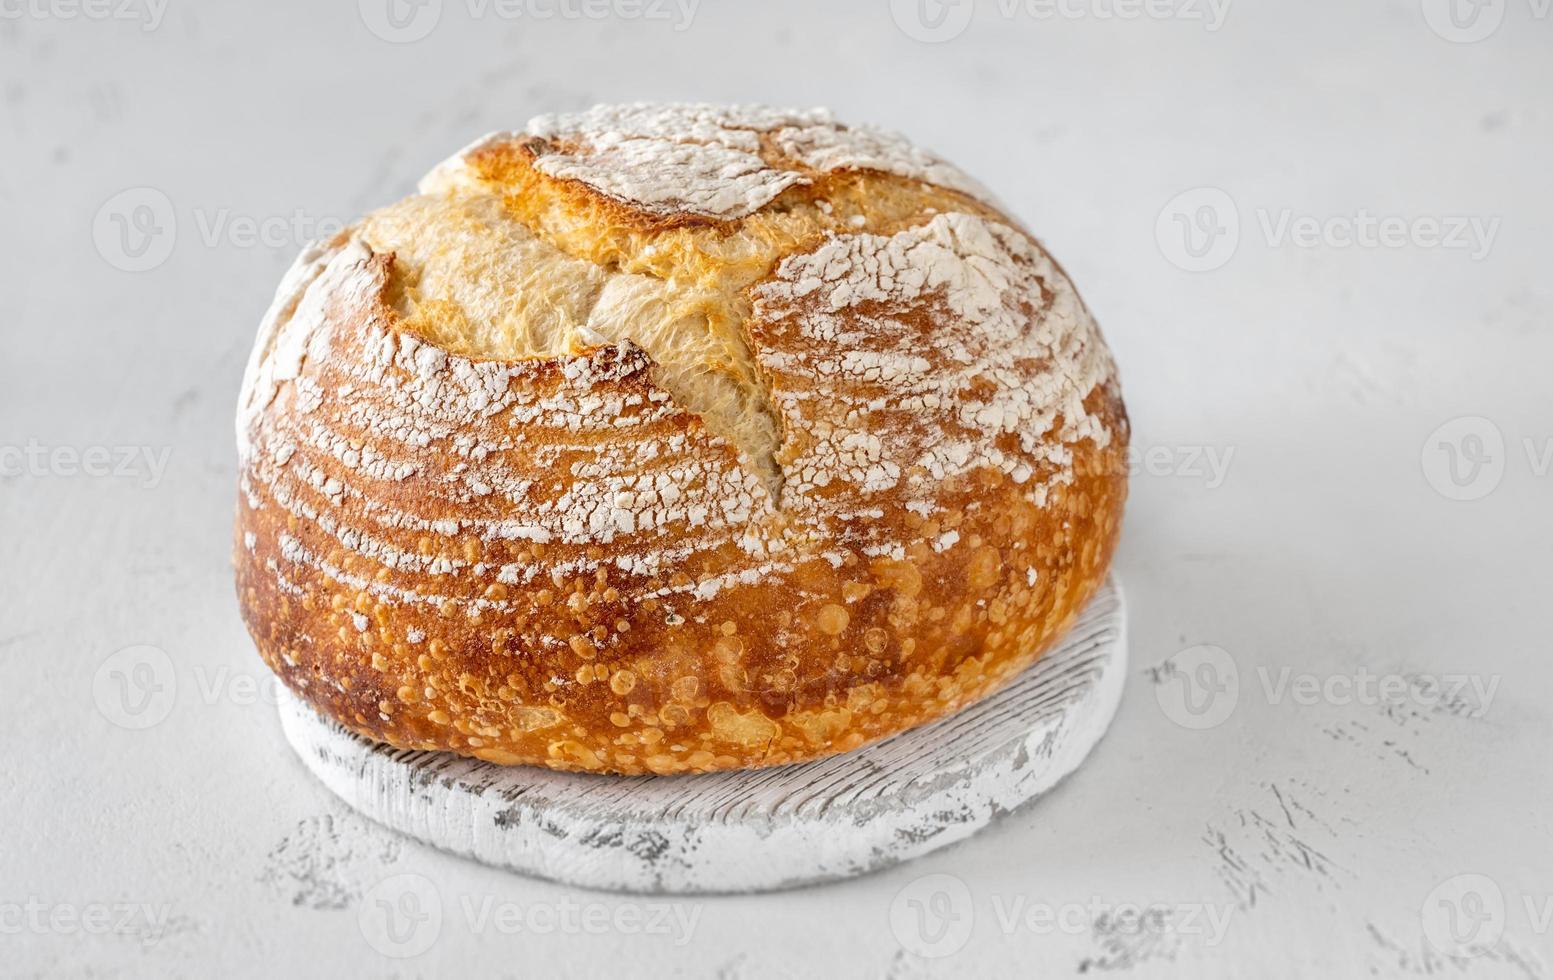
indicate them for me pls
(550, 559)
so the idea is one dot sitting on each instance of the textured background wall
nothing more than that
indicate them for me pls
(1339, 608)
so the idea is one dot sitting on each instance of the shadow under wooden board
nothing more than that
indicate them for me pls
(746, 831)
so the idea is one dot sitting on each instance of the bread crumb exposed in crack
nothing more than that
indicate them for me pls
(511, 449)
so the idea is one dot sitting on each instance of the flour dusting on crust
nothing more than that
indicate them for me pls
(717, 162)
(548, 557)
(881, 395)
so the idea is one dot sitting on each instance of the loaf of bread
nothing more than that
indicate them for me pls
(673, 439)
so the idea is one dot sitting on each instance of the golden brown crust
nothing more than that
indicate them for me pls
(548, 560)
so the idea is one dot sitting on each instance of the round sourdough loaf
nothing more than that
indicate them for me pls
(672, 439)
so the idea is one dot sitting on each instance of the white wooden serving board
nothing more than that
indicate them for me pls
(746, 831)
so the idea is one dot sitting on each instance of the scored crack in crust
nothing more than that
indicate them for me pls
(668, 439)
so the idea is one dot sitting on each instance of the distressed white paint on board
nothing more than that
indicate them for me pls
(746, 831)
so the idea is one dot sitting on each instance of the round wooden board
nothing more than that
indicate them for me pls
(746, 831)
